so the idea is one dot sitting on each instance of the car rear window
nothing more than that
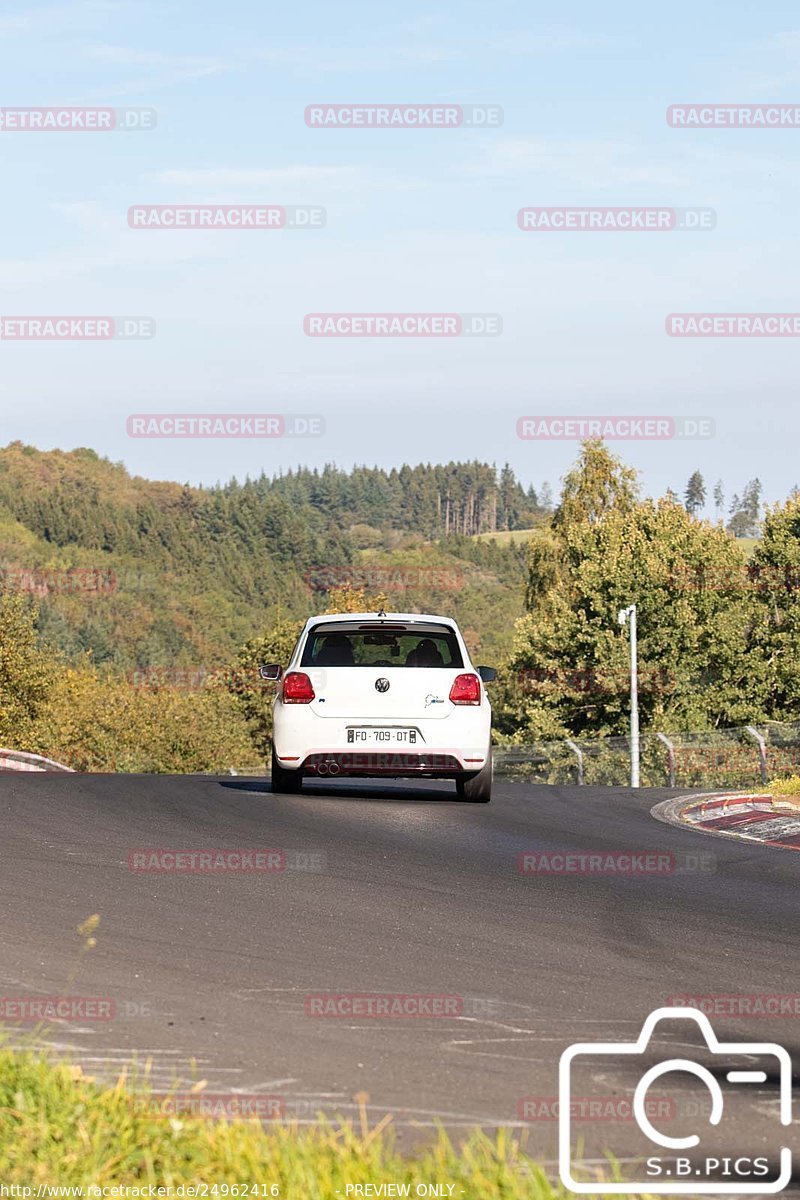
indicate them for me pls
(382, 647)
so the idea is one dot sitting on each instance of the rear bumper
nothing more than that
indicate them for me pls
(445, 748)
(400, 764)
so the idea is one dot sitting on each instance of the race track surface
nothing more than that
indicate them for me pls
(413, 893)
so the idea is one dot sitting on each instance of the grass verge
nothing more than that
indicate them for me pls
(787, 790)
(59, 1127)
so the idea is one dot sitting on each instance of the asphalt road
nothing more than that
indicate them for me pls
(410, 893)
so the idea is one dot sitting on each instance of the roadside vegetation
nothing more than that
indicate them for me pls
(58, 1125)
(134, 615)
(788, 789)
(92, 719)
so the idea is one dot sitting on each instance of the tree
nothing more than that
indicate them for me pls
(719, 499)
(349, 599)
(597, 483)
(745, 511)
(751, 501)
(253, 694)
(773, 581)
(603, 550)
(695, 495)
(693, 668)
(25, 672)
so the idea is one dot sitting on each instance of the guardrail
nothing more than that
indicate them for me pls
(21, 760)
(724, 758)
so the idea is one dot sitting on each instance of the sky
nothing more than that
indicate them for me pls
(416, 221)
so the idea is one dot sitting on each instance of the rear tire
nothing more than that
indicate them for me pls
(287, 782)
(478, 788)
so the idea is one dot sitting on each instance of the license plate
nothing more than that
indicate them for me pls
(372, 735)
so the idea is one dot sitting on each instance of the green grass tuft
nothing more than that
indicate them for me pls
(59, 1127)
(785, 787)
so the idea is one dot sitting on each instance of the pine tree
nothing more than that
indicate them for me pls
(745, 511)
(751, 500)
(695, 494)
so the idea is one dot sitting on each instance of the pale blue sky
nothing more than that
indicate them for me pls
(417, 221)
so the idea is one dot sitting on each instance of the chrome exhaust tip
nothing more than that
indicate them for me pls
(322, 769)
(334, 769)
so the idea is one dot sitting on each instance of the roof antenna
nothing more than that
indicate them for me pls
(381, 612)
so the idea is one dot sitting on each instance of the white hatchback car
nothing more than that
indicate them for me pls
(392, 694)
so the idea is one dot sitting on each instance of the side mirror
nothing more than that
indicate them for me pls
(487, 674)
(270, 671)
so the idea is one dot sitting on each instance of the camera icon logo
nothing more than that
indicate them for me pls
(682, 1165)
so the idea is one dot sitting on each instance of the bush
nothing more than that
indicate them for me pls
(97, 722)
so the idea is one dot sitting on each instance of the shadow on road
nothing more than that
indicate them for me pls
(355, 790)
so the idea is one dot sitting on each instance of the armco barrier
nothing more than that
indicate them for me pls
(21, 760)
(740, 757)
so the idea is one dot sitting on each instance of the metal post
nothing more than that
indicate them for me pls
(662, 737)
(624, 615)
(576, 750)
(762, 750)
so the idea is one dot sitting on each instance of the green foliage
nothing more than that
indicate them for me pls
(253, 695)
(95, 721)
(695, 495)
(453, 498)
(58, 1127)
(569, 669)
(188, 567)
(101, 722)
(596, 484)
(24, 671)
(785, 787)
(746, 510)
(773, 583)
(196, 571)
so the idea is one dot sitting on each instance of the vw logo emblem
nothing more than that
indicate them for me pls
(381, 685)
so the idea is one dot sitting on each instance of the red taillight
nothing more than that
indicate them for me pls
(466, 689)
(297, 688)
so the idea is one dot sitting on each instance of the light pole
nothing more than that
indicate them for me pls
(624, 615)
